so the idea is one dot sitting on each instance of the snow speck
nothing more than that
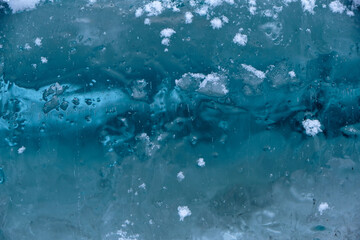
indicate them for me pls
(143, 186)
(322, 207)
(240, 39)
(188, 17)
(257, 73)
(201, 162)
(27, 46)
(167, 32)
(308, 5)
(213, 85)
(216, 23)
(180, 176)
(252, 7)
(337, 7)
(202, 11)
(183, 212)
(44, 60)
(292, 74)
(38, 42)
(154, 8)
(21, 150)
(312, 127)
(165, 41)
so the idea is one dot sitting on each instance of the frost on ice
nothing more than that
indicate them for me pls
(38, 42)
(21, 150)
(337, 7)
(240, 39)
(312, 127)
(166, 34)
(154, 8)
(21, 5)
(201, 162)
(180, 176)
(216, 23)
(183, 212)
(322, 207)
(257, 73)
(188, 17)
(308, 5)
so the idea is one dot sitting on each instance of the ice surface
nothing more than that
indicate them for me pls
(212, 119)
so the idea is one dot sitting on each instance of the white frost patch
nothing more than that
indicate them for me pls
(188, 17)
(147, 21)
(21, 150)
(183, 212)
(201, 162)
(21, 5)
(337, 7)
(216, 23)
(180, 176)
(322, 207)
(202, 11)
(165, 41)
(257, 73)
(292, 74)
(312, 127)
(308, 5)
(350, 13)
(139, 12)
(143, 186)
(154, 8)
(240, 39)
(44, 60)
(27, 46)
(38, 42)
(167, 32)
(213, 84)
(252, 7)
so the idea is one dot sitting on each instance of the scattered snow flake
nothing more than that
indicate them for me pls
(213, 3)
(21, 150)
(213, 84)
(350, 13)
(312, 127)
(322, 207)
(183, 212)
(201, 162)
(188, 17)
(180, 176)
(38, 42)
(27, 46)
(154, 8)
(257, 73)
(44, 60)
(252, 7)
(167, 32)
(308, 5)
(225, 19)
(337, 7)
(142, 186)
(21, 5)
(240, 39)
(292, 74)
(216, 23)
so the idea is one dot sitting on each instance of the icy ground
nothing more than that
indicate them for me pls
(215, 119)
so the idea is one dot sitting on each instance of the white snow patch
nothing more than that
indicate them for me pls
(38, 42)
(308, 5)
(252, 7)
(322, 207)
(257, 73)
(337, 7)
(27, 46)
(214, 3)
(240, 39)
(188, 17)
(201, 162)
(180, 176)
(216, 23)
(143, 186)
(225, 19)
(350, 13)
(21, 150)
(312, 127)
(21, 5)
(154, 8)
(183, 212)
(292, 74)
(167, 32)
(44, 60)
